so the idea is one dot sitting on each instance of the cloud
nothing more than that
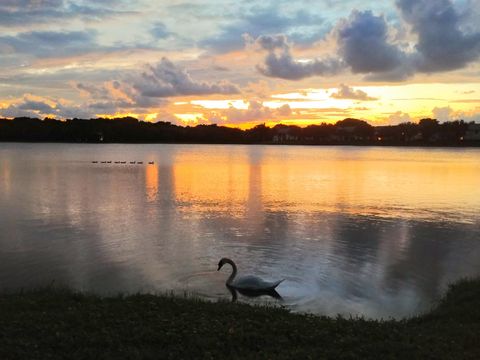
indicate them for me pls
(441, 45)
(255, 111)
(95, 91)
(114, 96)
(29, 12)
(346, 92)
(39, 107)
(363, 45)
(446, 113)
(439, 42)
(49, 43)
(442, 113)
(301, 25)
(110, 103)
(399, 117)
(279, 63)
(12, 111)
(165, 79)
(140, 92)
(160, 31)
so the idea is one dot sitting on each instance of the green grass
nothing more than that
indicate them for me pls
(61, 324)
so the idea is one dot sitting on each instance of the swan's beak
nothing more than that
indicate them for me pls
(219, 266)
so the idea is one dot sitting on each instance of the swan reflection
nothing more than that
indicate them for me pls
(252, 293)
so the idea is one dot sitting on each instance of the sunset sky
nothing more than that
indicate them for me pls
(240, 63)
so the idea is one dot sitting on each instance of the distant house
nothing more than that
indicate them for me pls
(472, 133)
(403, 133)
(384, 133)
(284, 134)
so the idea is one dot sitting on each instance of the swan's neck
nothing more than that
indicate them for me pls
(234, 271)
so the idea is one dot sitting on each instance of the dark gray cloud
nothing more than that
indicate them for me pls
(36, 106)
(279, 62)
(272, 43)
(165, 79)
(13, 111)
(40, 109)
(266, 21)
(95, 91)
(363, 44)
(49, 43)
(346, 92)
(441, 45)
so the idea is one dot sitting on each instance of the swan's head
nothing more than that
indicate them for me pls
(222, 262)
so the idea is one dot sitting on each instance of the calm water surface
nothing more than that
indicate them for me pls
(353, 230)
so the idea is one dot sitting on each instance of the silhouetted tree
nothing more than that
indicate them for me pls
(428, 127)
(131, 130)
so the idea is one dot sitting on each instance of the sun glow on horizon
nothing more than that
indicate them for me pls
(119, 115)
(384, 104)
(151, 117)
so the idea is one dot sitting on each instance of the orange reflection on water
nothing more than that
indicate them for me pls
(5, 177)
(363, 181)
(372, 185)
(151, 182)
(220, 184)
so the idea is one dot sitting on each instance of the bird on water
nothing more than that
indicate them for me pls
(249, 282)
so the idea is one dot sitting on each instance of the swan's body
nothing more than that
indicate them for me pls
(249, 282)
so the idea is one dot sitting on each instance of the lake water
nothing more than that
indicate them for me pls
(354, 230)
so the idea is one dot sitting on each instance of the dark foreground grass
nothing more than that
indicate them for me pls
(60, 324)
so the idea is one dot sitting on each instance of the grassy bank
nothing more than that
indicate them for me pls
(59, 324)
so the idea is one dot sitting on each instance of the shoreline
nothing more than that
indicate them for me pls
(60, 323)
(472, 145)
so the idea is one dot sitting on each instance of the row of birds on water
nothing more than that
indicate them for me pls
(122, 162)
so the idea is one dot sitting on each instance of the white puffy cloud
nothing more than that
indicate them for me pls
(399, 117)
(442, 113)
(446, 113)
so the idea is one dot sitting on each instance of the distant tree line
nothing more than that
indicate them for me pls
(345, 132)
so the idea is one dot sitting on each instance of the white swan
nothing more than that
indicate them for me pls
(252, 283)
